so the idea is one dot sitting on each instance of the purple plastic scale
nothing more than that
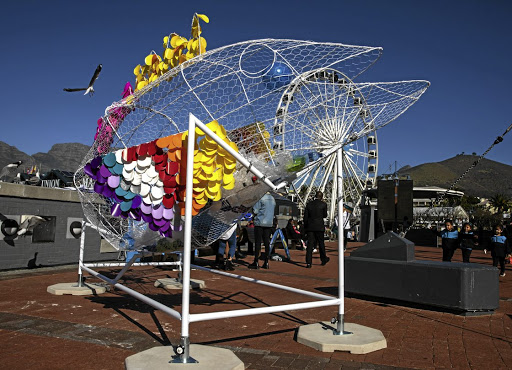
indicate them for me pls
(153, 227)
(104, 171)
(135, 214)
(136, 201)
(115, 210)
(107, 192)
(168, 233)
(113, 181)
(96, 162)
(145, 208)
(157, 212)
(146, 218)
(98, 188)
(168, 213)
(177, 226)
(165, 227)
(160, 222)
(88, 171)
(100, 178)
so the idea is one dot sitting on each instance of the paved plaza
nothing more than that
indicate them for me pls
(43, 331)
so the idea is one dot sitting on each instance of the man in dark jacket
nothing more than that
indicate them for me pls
(314, 215)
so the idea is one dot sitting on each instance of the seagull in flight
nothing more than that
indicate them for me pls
(89, 89)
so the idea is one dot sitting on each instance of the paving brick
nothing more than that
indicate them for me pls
(416, 338)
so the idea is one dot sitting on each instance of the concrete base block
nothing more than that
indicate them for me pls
(74, 289)
(358, 339)
(207, 357)
(174, 283)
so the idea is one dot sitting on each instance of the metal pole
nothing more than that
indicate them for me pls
(126, 267)
(122, 264)
(133, 293)
(81, 256)
(266, 283)
(262, 310)
(180, 268)
(341, 256)
(185, 304)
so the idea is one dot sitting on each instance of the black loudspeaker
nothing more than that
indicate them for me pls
(386, 200)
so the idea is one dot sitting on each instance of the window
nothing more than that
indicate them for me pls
(45, 231)
(285, 210)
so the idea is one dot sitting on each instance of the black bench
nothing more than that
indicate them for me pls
(385, 269)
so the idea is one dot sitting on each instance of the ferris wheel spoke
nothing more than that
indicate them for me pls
(358, 153)
(355, 173)
(328, 172)
(352, 166)
(312, 183)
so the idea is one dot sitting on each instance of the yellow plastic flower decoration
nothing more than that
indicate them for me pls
(177, 50)
(213, 165)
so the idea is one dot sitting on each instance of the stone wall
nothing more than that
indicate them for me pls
(64, 205)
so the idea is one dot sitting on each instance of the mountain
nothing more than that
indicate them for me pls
(487, 179)
(65, 157)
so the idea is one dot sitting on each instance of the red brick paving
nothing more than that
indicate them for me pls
(42, 331)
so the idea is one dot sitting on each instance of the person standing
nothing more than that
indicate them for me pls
(263, 212)
(499, 248)
(229, 237)
(467, 241)
(346, 226)
(449, 240)
(314, 215)
(293, 234)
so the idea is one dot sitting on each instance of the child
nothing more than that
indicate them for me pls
(499, 248)
(466, 241)
(294, 234)
(449, 236)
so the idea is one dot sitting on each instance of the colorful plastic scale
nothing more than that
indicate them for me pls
(148, 181)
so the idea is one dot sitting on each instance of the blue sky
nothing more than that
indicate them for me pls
(461, 47)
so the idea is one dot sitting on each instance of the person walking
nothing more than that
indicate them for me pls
(314, 214)
(263, 212)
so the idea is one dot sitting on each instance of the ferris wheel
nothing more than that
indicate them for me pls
(319, 110)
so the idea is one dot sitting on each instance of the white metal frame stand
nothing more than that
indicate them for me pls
(185, 316)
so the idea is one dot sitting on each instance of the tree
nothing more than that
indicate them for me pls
(501, 202)
(483, 219)
(469, 203)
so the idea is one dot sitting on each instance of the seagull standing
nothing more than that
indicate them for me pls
(9, 169)
(30, 224)
(89, 89)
